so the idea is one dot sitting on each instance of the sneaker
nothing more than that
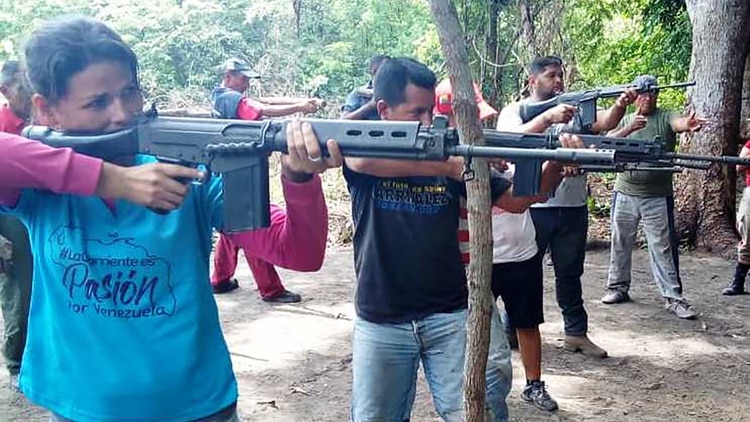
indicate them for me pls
(615, 296)
(584, 345)
(225, 286)
(284, 297)
(681, 308)
(536, 394)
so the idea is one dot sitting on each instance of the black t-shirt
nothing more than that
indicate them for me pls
(406, 253)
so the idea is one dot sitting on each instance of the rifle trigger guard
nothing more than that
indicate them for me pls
(468, 174)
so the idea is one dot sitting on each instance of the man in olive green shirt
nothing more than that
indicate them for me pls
(647, 196)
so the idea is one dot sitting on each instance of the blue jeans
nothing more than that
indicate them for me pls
(386, 358)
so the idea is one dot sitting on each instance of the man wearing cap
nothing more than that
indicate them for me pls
(561, 224)
(647, 196)
(737, 284)
(229, 102)
(359, 104)
(16, 267)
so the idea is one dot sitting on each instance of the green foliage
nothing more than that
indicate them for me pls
(321, 47)
(617, 40)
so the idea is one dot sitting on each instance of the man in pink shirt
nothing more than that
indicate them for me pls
(229, 102)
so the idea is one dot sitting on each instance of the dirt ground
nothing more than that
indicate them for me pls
(293, 362)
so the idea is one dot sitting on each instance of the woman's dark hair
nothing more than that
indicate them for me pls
(395, 74)
(67, 45)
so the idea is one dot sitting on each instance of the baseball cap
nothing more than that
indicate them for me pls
(645, 81)
(444, 100)
(237, 65)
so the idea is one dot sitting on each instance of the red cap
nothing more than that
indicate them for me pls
(444, 100)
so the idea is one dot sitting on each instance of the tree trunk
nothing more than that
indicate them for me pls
(705, 199)
(492, 54)
(480, 223)
(745, 113)
(528, 30)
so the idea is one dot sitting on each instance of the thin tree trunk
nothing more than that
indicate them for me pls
(528, 30)
(705, 199)
(745, 113)
(480, 223)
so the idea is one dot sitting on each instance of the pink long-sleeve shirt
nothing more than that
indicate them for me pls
(296, 238)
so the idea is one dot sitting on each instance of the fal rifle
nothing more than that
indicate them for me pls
(586, 102)
(239, 151)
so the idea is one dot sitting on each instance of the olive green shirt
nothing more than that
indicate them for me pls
(649, 183)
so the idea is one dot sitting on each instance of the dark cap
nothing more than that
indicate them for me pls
(10, 72)
(237, 65)
(644, 81)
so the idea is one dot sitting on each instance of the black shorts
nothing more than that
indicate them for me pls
(520, 284)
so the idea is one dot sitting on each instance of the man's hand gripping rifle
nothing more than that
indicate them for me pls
(586, 102)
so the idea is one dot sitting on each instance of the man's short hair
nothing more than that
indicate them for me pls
(540, 63)
(377, 60)
(395, 74)
(10, 73)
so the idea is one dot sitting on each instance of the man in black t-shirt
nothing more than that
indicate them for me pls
(411, 294)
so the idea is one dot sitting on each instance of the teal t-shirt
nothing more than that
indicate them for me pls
(123, 323)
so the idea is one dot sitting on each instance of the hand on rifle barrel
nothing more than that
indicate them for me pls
(626, 98)
(305, 156)
(568, 140)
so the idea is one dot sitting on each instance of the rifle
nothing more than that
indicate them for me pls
(239, 150)
(586, 101)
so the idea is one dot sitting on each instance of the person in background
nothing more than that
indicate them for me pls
(647, 197)
(16, 265)
(123, 325)
(360, 104)
(230, 102)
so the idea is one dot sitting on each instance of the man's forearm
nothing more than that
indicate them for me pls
(360, 113)
(551, 177)
(406, 168)
(280, 110)
(538, 124)
(608, 119)
(620, 133)
(282, 100)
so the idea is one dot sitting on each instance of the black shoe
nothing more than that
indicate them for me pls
(284, 297)
(734, 289)
(737, 285)
(225, 286)
(536, 394)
